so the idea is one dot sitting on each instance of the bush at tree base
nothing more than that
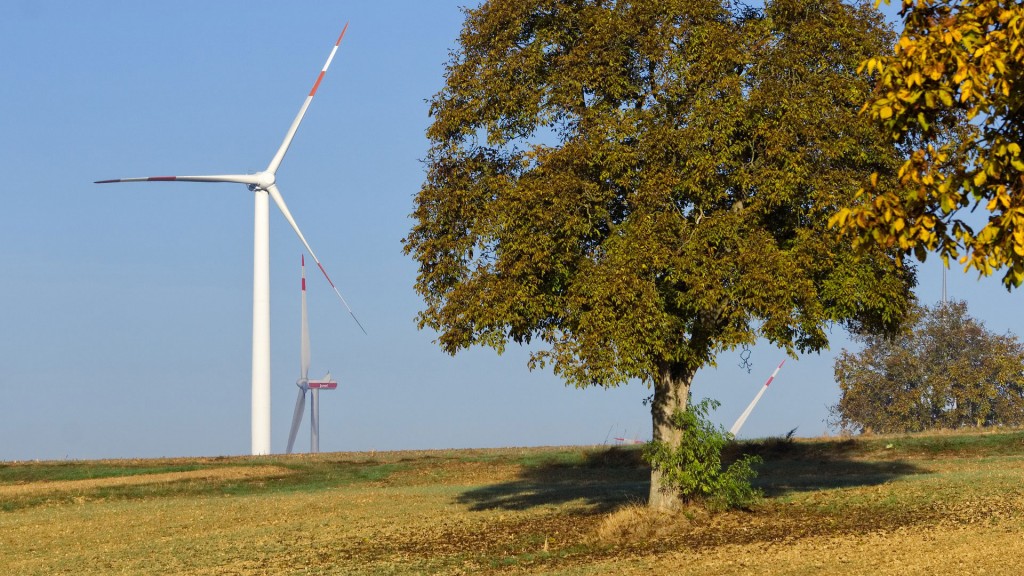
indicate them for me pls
(694, 466)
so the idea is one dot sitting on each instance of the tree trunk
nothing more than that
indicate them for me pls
(671, 392)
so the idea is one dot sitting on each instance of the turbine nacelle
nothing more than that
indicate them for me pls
(261, 181)
(264, 180)
(327, 383)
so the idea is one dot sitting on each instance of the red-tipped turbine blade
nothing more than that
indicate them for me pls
(279, 200)
(236, 178)
(275, 163)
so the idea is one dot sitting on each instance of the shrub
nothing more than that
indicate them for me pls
(694, 466)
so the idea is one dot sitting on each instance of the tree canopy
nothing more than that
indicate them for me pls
(951, 95)
(637, 186)
(947, 371)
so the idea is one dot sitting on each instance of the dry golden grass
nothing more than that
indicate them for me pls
(915, 550)
(636, 523)
(831, 508)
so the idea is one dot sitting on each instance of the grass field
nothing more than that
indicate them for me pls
(928, 504)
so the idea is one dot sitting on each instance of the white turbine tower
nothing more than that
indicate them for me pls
(307, 385)
(263, 186)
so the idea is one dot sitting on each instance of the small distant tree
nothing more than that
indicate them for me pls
(948, 371)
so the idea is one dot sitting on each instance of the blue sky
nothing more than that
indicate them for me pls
(125, 310)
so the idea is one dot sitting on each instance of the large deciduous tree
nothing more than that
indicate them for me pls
(947, 371)
(952, 95)
(640, 185)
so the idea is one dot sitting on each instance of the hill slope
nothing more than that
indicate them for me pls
(938, 504)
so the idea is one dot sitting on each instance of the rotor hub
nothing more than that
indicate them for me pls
(264, 180)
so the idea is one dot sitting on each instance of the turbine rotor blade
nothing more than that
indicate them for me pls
(300, 406)
(750, 408)
(283, 149)
(305, 325)
(236, 178)
(279, 200)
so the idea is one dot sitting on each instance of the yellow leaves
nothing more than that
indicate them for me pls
(922, 120)
(987, 234)
(905, 45)
(961, 71)
(962, 65)
(870, 65)
(1018, 240)
(1000, 201)
(840, 218)
(908, 96)
(966, 90)
(935, 70)
(948, 204)
(864, 219)
(880, 202)
(904, 170)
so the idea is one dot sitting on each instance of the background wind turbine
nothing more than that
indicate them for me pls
(307, 385)
(746, 413)
(263, 185)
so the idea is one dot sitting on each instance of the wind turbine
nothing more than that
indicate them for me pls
(746, 413)
(263, 185)
(307, 385)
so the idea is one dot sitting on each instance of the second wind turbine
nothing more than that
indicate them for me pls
(263, 185)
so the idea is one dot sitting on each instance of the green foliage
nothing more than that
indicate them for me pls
(951, 95)
(948, 371)
(642, 185)
(694, 467)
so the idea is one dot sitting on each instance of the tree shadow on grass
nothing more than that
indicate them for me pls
(608, 478)
(604, 480)
(790, 466)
